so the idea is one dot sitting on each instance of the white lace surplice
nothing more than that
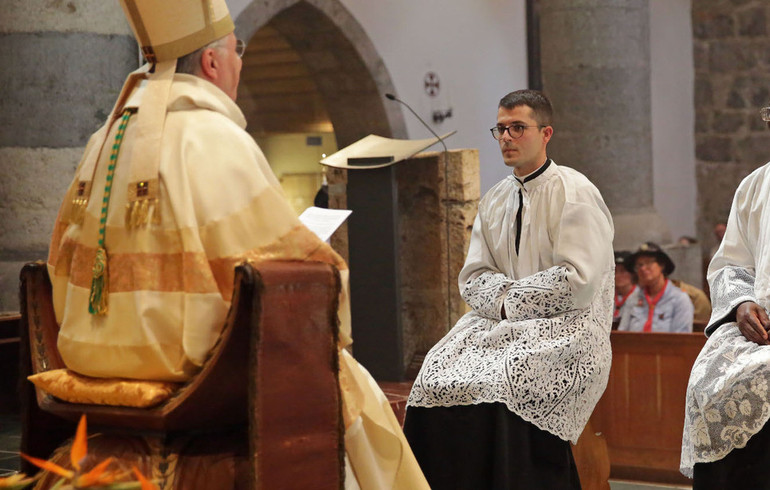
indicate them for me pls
(550, 359)
(727, 396)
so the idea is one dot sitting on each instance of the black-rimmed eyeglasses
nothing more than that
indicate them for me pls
(514, 130)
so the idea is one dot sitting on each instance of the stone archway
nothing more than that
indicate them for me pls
(341, 59)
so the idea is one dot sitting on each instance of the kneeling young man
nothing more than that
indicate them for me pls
(501, 395)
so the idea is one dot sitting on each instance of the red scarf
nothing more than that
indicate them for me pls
(620, 301)
(651, 306)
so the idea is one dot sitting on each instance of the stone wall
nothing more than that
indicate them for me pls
(435, 223)
(732, 82)
(63, 65)
(340, 58)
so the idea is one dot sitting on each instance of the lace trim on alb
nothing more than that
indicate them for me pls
(549, 363)
(727, 397)
(730, 287)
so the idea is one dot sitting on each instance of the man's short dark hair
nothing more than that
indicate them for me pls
(535, 100)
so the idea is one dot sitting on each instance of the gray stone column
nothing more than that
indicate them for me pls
(595, 59)
(64, 63)
(732, 82)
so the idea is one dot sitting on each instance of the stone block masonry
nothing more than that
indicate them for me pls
(731, 46)
(63, 65)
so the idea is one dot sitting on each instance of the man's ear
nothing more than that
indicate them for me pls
(209, 65)
(547, 133)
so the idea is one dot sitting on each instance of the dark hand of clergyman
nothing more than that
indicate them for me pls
(753, 322)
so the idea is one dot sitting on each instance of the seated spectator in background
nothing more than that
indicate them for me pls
(719, 231)
(657, 305)
(700, 302)
(699, 298)
(625, 284)
(321, 199)
(719, 234)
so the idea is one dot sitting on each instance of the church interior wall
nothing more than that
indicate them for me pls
(478, 52)
(732, 82)
(63, 66)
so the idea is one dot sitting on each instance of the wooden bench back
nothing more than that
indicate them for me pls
(641, 413)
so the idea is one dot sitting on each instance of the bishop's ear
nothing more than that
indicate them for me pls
(209, 64)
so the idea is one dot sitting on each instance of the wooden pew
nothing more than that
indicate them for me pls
(641, 414)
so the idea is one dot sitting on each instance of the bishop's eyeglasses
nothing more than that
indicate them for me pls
(240, 47)
(514, 130)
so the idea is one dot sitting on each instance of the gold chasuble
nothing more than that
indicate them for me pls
(170, 283)
(217, 204)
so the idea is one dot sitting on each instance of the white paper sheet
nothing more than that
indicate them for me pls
(323, 222)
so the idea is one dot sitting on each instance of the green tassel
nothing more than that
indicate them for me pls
(97, 304)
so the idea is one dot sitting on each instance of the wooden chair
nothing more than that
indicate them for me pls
(268, 395)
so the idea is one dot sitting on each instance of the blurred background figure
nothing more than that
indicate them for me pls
(719, 234)
(657, 305)
(700, 302)
(321, 199)
(686, 241)
(625, 284)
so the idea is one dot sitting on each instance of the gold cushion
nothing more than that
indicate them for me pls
(76, 388)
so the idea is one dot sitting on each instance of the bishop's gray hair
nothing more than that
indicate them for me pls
(191, 63)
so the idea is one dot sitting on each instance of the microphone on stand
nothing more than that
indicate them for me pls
(441, 140)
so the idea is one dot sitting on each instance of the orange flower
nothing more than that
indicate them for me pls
(80, 444)
(146, 485)
(47, 465)
(98, 476)
(16, 482)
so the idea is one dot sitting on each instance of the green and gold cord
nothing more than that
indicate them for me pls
(97, 304)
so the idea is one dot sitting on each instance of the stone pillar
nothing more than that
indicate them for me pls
(732, 82)
(64, 63)
(595, 58)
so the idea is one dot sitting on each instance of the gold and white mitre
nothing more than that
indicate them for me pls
(169, 29)
(165, 31)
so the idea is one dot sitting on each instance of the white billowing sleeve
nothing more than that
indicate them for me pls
(732, 271)
(582, 232)
(482, 284)
(583, 246)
